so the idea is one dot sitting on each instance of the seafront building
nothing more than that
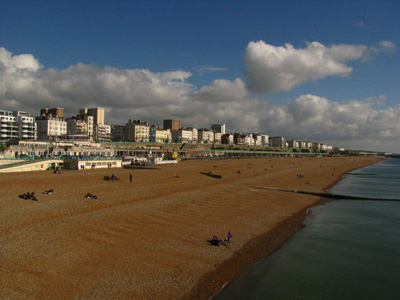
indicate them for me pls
(163, 136)
(50, 127)
(117, 133)
(277, 142)
(227, 139)
(17, 125)
(78, 126)
(102, 133)
(205, 136)
(27, 128)
(8, 127)
(137, 131)
(218, 128)
(185, 135)
(172, 124)
(97, 113)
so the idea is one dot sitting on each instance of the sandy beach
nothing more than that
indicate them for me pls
(148, 239)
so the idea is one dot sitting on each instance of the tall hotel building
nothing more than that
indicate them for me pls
(97, 113)
(218, 128)
(172, 124)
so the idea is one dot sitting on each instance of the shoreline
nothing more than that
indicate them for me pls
(255, 250)
(210, 284)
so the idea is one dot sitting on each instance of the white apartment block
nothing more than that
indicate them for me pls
(8, 127)
(80, 127)
(137, 131)
(27, 127)
(217, 137)
(141, 133)
(195, 134)
(293, 144)
(302, 145)
(49, 127)
(89, 120)
(163, 136)
(257, 140)
(205, 136)
(228, 139)
(264, 139)
(305, 145)
(316, 146)
(102, 133)
(185, 135)
(182, 136)
(249, 140)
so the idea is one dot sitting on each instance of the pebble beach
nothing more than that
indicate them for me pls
(148, 239)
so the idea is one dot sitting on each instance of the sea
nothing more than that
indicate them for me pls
(347, 249)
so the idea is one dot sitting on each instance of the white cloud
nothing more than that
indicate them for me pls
(387, 45)
(223, 90)
(271, 68)
(201, 70)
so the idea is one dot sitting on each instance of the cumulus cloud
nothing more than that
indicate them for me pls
(271, 68)
(142, 94)
(201, 70)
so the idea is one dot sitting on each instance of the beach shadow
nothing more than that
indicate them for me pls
(211, 175)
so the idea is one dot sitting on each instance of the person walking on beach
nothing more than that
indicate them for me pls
(130, 178)
(228, 240)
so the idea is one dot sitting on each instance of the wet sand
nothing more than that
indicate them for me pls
(148, 239)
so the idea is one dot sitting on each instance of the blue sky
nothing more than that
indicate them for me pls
(206, 44)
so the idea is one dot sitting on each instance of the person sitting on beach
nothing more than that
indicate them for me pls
(25, 196)
(33, 197)
(214, 241)
(91, 196)
(106, 178)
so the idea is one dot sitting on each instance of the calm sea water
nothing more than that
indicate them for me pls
(348, 249)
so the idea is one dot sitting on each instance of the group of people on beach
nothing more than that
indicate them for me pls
(113, 177)
(215, 241)
(29, 196)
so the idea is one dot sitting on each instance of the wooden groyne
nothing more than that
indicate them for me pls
(325, 195)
